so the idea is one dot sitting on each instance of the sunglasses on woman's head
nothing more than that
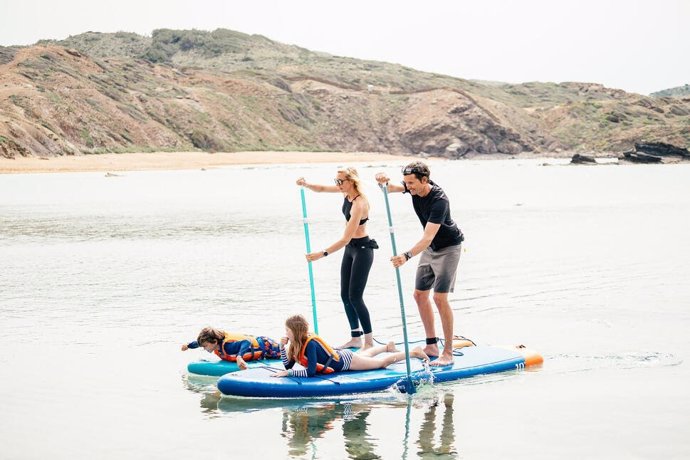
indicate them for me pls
(339, 181)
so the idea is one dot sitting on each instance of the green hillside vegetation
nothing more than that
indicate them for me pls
(679, 91)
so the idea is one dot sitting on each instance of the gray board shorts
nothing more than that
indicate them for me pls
(437, 269)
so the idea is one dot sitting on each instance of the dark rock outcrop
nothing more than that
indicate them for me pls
(582, 159)
(661, 149)
(654, 152)
(637, 157)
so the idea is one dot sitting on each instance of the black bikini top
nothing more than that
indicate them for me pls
(347, 207)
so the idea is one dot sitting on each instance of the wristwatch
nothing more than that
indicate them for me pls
(325, 253)
(408, 255)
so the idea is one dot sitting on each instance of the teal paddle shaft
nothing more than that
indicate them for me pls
(409, 387)
(311, 272)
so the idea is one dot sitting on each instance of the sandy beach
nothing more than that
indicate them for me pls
(114, 162)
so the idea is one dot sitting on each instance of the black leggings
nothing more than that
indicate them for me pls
(354, 272)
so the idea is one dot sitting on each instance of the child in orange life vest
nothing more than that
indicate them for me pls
(318, 357)
(235, 347)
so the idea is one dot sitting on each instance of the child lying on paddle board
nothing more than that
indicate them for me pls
(235, 347)
(319, 358)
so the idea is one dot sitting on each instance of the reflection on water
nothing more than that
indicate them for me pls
(428, 416)
(358, 444)
(444, 447)
(303, 426)
(583, 363)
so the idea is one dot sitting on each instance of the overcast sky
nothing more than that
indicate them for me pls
(637, 45)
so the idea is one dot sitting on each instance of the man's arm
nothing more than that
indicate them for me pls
(430, 231)
(384, 180)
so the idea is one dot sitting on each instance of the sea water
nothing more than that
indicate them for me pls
(102, 279)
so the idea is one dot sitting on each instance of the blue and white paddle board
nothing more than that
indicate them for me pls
(257, 381)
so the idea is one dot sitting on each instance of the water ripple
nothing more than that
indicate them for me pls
(564, 363)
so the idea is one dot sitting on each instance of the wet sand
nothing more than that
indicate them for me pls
(114, 162)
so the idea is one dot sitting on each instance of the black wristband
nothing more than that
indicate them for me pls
(325, 253)
(408, 255)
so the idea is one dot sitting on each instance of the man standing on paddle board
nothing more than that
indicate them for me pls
(440, 254)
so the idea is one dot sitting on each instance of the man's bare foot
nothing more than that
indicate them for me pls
(431, 350)
(355, 342)
(443, 360)
(417, 352)
(366, 346)
(390, 347)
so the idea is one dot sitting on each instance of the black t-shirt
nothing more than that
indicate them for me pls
(435, 208)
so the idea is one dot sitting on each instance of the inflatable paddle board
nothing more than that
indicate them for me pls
(257, 381)
(218, 368)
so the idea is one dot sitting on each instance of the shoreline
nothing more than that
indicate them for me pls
(174, 161)
(162, 161)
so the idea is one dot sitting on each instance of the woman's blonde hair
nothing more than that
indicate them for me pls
(300, 331)
(352, 175)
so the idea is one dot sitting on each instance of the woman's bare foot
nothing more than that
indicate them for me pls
(368, 341)
(390, 347)
(417, 352)
(354, 342)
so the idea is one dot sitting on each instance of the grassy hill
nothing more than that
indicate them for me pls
(679, 91)
(227, 91)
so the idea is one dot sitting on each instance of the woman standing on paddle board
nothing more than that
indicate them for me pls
(317, 357)
(358, 256)
(235, 347)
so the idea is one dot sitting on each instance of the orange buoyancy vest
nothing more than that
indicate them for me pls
(320, 368)
(254, 353)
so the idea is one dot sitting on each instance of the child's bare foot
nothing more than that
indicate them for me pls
(354, 342)
(417, 352)
(445, 359)
(390, 347)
